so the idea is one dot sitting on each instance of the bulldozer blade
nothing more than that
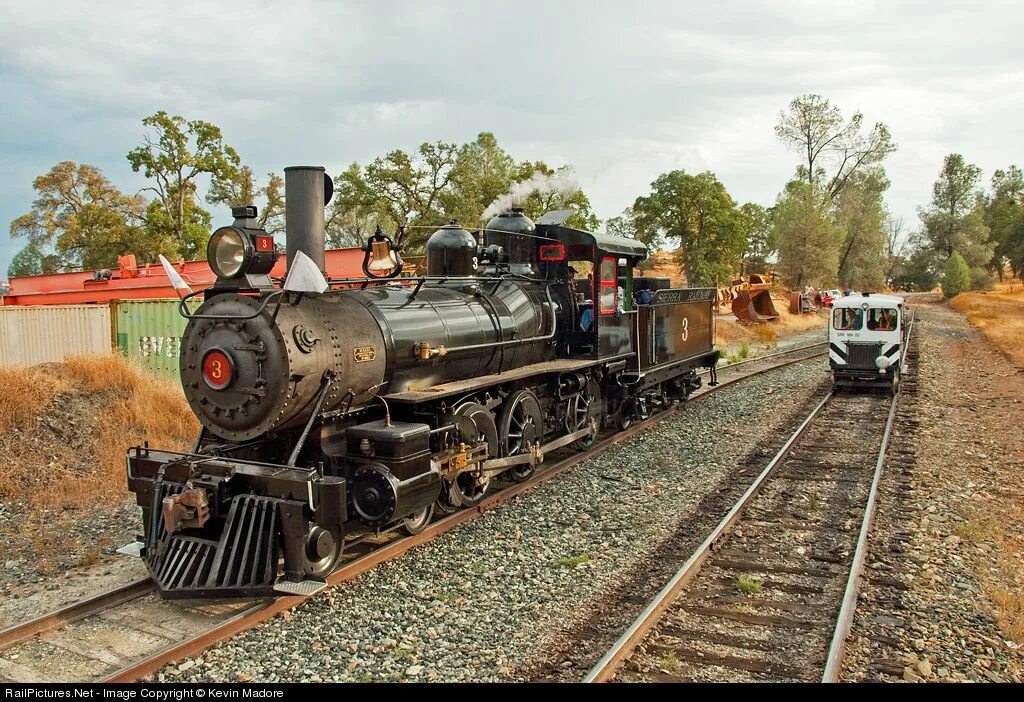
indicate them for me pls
(753, 307)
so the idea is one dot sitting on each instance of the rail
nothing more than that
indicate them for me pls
(612, 661)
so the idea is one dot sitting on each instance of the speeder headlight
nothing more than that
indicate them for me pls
(882, 363)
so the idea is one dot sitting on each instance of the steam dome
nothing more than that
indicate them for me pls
(513, 231)
(451, 250)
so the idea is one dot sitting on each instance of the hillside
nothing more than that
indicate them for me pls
(64, 430)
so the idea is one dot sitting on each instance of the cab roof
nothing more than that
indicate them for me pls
(872, 300)
(616, 245)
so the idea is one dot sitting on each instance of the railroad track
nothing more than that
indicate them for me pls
(129, 633)
(771, 592)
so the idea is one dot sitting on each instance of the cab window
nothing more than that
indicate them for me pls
(882, 319)
(609, 285)
(848, 318)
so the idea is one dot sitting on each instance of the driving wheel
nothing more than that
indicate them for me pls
(469, 487)
(520, 427)
(584, 409)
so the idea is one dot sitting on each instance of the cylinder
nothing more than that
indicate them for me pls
(304, 212)
(378, 497)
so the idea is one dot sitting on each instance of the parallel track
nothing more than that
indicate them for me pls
(207, 624)
(775, 599)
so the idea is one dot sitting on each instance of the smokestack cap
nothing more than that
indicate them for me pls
(328, 181)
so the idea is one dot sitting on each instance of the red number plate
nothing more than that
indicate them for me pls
(218, 370)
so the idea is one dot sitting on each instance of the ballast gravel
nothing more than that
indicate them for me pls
(929, 609)
(491, 599)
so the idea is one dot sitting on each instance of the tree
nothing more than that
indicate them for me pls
(175, 155)
(760, 238)
(859, 215)
(956, 276)
(353, 213)
(696, 211)
(919, 273)
(412, 194)
(919, 268)
(807, 240)
(557, 190)
(896, 246)
(955, 220)
(236, 187)
(625, 226)
(402, 191)
(32, 261)
(1004, 212)
(954, 195)
(195, 229)
(814, 127)
(483, 171)
(85, 220)
(1014, 247)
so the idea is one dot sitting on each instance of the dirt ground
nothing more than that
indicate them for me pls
(946, 573)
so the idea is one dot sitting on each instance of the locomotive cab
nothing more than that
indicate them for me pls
(593, 264)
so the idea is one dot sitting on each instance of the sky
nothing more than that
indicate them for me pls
(621, 91)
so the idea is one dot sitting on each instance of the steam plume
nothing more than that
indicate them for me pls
(562, 182)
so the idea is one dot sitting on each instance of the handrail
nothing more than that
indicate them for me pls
(183, 310)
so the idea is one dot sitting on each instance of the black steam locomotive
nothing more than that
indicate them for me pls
(333, 409)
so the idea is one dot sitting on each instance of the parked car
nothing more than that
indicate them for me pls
(829, 296)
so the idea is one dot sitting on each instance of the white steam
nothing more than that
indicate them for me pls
(563, 182)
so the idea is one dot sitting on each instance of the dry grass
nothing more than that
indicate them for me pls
(1009, 611)
(64, 431)
(25, 391)
(730, 333)
(66, 427)
(999, 316)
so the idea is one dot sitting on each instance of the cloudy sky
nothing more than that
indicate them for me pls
(622, 91)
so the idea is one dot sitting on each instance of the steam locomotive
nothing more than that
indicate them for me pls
(330, 409)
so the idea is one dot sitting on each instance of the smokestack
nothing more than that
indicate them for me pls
(305, 188)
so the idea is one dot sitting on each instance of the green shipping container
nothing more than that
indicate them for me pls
(149, 333)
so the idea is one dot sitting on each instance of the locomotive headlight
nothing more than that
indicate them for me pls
(228, 252)
(236, 251)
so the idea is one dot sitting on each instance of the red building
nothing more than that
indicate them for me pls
(134, 282)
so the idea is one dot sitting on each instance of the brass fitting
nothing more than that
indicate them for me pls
(424, 351)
